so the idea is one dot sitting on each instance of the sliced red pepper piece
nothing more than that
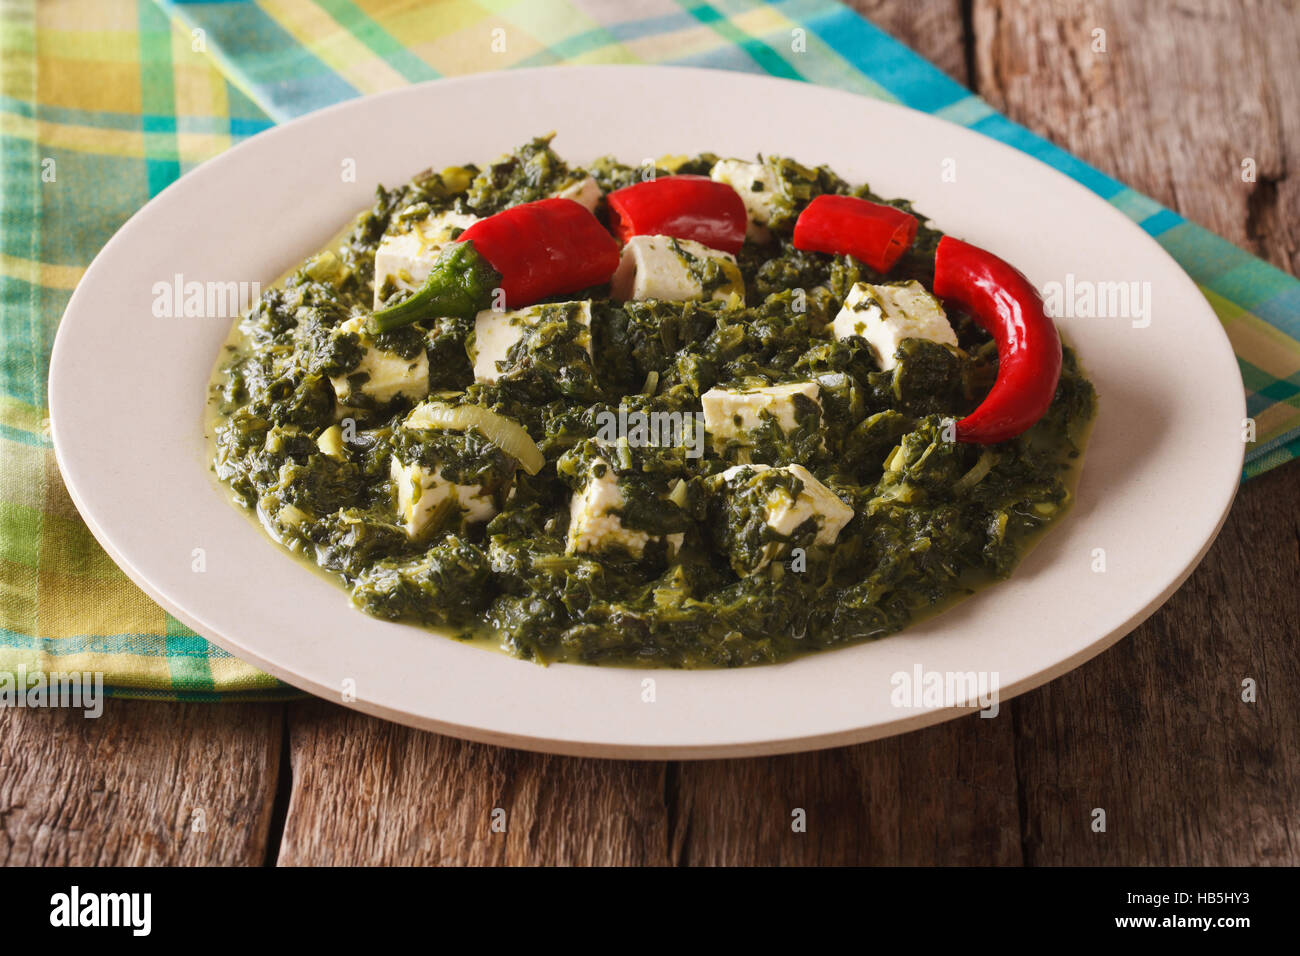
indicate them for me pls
(545, 248)
(1008, 307)
(684, 207)
(847, 226)
(530, 251)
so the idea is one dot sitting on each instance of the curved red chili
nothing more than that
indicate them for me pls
(684, 207)
(1008, 307)
(530, 251)
(845, 225)
(544, 248)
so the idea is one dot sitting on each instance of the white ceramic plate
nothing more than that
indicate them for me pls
(127, 394)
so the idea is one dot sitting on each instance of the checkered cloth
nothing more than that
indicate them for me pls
(105, 102)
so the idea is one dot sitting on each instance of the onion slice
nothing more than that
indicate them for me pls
(508, 435)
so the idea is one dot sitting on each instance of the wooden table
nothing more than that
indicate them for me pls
(1154, 731)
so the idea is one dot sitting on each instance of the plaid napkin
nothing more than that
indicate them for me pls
(105, 102)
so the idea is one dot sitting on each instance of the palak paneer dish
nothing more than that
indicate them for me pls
(705, 412)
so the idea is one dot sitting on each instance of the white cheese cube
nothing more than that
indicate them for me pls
(662, 267)
(389, 375)
(420, 492)
(594, 523)
(815, 501)
(759, 187)
(585, 191)
(884, 315)
(495, 333)
(784, 513)
(405, 258)
(730, 415)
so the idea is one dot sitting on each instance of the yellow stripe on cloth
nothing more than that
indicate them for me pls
(349, 57)
(41, 273)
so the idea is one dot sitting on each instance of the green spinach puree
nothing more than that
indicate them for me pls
(710, 579)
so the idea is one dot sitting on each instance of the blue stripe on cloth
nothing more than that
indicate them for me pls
(1013, 134)
(1282, 309)
(142, 645)
(1202, 260)
(1160, 223)
(285, 79)
(913, 80)
(20, 437)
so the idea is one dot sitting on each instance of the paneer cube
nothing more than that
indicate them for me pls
(884, 315)
(585, 191)
(421, 493)
(782, 509)
(495, 333)
(677, 270)
(380, 376)
(405, 257)
(594, 522)
(732, 415)
(759, 186)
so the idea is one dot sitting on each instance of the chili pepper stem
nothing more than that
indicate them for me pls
(460, 284)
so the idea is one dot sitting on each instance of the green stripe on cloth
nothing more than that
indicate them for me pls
(355, 20)
(173, 83)
(157, 100)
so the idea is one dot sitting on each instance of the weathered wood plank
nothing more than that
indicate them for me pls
(944, 795)
(1184, 93)
(128, 787)
(1154, 731)
(367, 791)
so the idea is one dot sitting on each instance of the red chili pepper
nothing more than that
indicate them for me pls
(544, 248)
(846, 225)
(1008, 307)
(530, 251)
(684, 207)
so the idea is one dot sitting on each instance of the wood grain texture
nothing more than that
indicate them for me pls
(371, 792)
(1154, 731)
(1185, 92)
(124, 788)
(943, 795)
(368, 791)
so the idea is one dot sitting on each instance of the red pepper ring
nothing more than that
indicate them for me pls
(1008, 307)
(544, 248)
(684, 207)
(845, 225)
